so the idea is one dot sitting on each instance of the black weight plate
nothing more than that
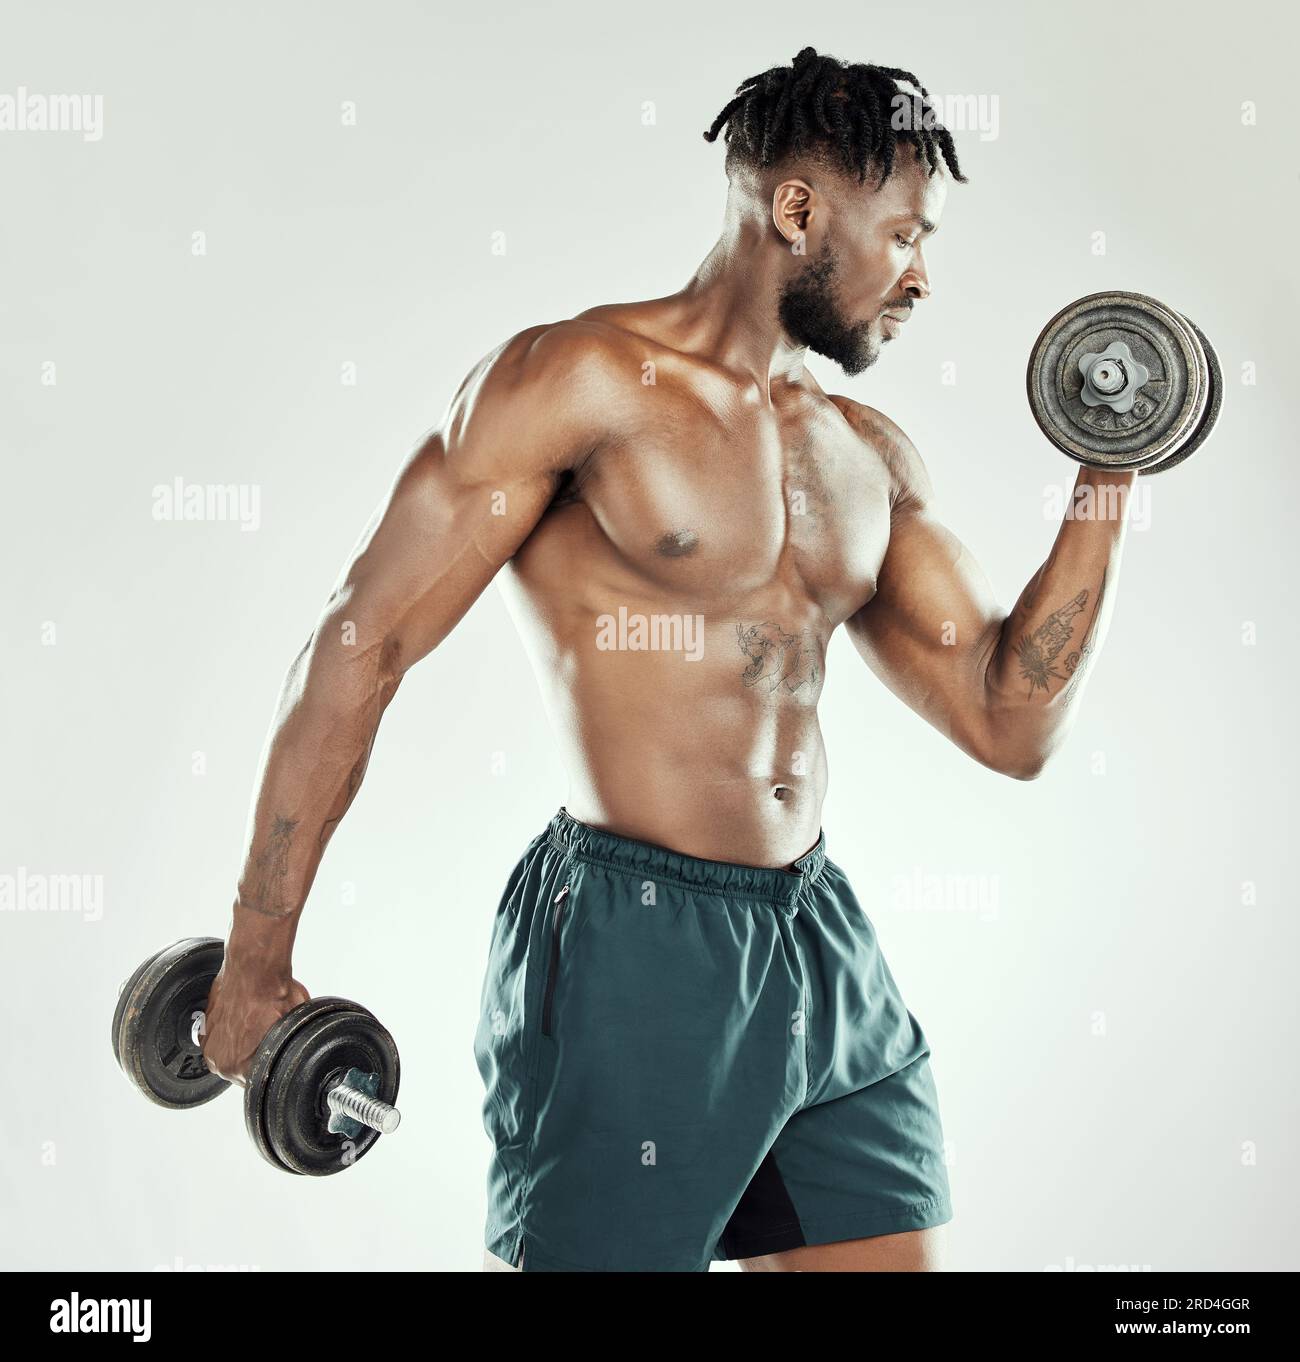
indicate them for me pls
(296, 1113)
(154, 1019)
(1168, 406)
(284, 1105)
(1212, 408)
(259, 1071)
(123, 993)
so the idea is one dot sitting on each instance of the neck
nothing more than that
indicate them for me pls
(728, 308)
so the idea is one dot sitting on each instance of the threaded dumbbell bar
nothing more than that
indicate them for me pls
(349, 1101)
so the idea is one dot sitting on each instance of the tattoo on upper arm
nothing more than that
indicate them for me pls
(1038, 651)
(776, 659)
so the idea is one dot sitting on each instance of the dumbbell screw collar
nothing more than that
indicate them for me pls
(352, 1103)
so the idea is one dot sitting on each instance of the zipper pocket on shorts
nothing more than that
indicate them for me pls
(553, 969)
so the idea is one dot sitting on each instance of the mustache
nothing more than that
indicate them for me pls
(902, 305)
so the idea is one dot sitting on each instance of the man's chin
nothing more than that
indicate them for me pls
(856, 361)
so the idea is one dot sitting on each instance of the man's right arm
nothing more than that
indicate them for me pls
(461, 506)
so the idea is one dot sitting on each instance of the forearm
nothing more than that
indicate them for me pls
(1048, 644)
(312, 766)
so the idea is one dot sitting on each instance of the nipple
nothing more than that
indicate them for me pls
(678, 543)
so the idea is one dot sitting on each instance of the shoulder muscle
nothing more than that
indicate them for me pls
(909, 477)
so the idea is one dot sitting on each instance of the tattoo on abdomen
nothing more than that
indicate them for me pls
(776, 659)
(1038, 651)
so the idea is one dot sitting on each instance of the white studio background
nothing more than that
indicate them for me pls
(1107, 973)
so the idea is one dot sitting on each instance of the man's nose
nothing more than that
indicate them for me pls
(916, 280)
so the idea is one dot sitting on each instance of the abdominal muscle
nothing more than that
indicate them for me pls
(720, 757)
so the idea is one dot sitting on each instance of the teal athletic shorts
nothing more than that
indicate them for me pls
(688, 1060)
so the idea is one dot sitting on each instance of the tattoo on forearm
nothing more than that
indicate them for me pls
(1038, 651)
(387, 678)
(777, 660)
(355, 776)
(272, 865)
(272, 892)
(1078, 667)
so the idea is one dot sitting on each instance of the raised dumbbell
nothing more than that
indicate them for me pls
(321, 1086)
(1119, 380)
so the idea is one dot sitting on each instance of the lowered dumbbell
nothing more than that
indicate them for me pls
(1119, 380)
(321, 1086)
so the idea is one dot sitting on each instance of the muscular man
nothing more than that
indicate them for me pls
(692, 1045)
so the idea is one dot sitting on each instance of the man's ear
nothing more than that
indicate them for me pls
(794, 206)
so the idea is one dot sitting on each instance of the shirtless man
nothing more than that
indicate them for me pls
(692, 1046)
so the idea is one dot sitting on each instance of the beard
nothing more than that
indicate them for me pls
(810, 313)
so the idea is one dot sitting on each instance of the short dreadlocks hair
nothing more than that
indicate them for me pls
(831, 110)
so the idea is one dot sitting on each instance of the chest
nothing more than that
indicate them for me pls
(723, 504)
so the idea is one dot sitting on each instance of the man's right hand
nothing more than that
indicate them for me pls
(242, 1008)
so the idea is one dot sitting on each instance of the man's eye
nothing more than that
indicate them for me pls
(903, 241)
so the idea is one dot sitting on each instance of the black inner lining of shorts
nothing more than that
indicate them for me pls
(764, 1220)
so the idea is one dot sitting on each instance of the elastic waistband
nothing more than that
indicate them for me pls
(781, 887)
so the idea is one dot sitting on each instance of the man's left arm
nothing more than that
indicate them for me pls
(1004, 688)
